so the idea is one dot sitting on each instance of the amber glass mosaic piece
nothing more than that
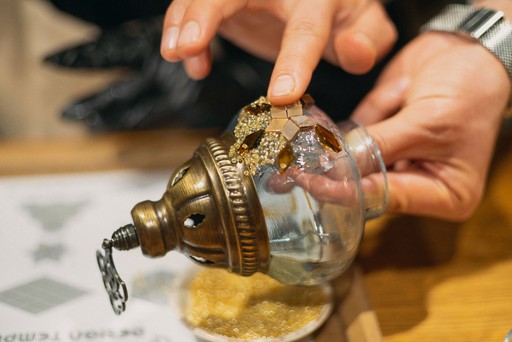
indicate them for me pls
(285, 158)
(251, 141)
(257, 108)
(307, 101)
(327, 138)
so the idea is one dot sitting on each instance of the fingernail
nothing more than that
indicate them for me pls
(283, 85)
(360, 36)
(170, 38)
(190, 33)
(364, 39)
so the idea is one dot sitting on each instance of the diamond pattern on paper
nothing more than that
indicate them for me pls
(40, 295)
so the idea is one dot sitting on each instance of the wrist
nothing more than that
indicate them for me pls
(506, 7)
(479, 23)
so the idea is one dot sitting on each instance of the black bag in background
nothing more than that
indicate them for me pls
(157, 93)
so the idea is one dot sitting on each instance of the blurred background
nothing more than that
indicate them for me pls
(31, 93)
(71, 67)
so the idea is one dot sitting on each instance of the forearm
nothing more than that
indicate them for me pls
(487, 27)
(506, 7)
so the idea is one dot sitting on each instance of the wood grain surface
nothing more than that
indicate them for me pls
(431, 280)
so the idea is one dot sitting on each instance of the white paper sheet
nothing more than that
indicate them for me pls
(50, 284)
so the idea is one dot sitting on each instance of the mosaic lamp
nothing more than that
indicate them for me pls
(283, 191)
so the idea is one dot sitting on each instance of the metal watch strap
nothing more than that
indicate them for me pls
(484, 25)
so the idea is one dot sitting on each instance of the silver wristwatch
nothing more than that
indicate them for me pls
(484, 25)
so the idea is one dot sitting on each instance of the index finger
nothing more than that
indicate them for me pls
(304, 41)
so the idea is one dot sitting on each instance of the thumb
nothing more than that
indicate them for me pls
(418, 181)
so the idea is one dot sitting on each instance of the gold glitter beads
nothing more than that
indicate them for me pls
(254, 307)
(253, 145)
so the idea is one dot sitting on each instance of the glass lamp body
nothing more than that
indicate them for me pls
(314, 210)
(283, 191)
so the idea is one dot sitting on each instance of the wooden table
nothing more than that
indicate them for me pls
(427, 280)
(430, 280)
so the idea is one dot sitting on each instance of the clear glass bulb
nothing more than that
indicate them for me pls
(284, 191)
(315, 205)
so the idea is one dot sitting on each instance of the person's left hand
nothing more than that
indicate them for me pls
(435, 113)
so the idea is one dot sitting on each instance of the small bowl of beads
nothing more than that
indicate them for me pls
(219, 306)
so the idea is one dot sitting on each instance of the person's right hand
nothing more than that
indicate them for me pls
(435, 113)
(353, 34)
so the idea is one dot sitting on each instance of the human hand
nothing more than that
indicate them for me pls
(435, 113)
(151, 92)
(353, 34)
